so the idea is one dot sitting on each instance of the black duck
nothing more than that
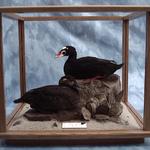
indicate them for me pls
(53, 98)
(86, 67)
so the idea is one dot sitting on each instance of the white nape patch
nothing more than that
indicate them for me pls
(76, 125)
(64, 48)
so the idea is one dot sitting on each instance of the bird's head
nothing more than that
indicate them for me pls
(66, 51)
(68, 81)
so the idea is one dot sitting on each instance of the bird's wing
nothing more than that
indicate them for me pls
(51, 90)
(94, 60)
(92, 63)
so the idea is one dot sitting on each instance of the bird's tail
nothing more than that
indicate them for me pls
(19, 100)
(119, 66)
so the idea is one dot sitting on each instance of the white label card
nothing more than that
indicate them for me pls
(74, 125)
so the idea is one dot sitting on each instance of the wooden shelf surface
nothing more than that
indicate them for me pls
(75, 8)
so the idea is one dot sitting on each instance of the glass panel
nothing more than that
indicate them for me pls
(11, 62)
(137, 63)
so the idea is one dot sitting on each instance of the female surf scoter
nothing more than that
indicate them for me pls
(53, 98)
(86, 67)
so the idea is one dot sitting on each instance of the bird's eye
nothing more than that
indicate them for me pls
(64, 52)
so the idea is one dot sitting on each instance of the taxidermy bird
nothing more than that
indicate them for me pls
(53, 98)
(86, 67)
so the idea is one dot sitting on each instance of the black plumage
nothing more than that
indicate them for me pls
(86, 67)
(53, 98)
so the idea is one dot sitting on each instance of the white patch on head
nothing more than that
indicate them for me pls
(65, 47)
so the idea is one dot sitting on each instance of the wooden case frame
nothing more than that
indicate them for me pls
(137, 11)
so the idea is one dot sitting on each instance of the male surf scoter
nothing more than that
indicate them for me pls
(53, 98)
(86, 67)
